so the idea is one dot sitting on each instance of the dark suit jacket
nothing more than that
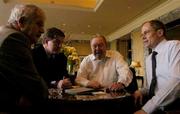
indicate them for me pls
(18, 75)
(51, 68)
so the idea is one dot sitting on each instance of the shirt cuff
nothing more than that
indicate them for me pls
(85, 83)
(149, 107)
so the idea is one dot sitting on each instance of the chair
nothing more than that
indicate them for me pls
(173, 108)
(133, 86)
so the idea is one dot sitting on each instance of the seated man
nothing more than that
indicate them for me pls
(103, 68)
(163, 71)
(49, 62)
(22, 89)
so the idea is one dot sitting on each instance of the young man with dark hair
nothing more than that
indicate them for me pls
(49, 62)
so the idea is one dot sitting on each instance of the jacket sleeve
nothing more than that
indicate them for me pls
(17, 65)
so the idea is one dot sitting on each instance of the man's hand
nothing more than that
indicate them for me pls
(116, 86)
(65, 83)
(94, 84)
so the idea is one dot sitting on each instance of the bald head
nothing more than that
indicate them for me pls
(98, 46)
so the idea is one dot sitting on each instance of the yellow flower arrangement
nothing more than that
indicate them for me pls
(72, 56)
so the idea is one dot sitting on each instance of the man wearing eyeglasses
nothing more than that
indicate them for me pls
(162, 69)
(49, 62)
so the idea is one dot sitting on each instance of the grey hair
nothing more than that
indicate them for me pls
(29, 12)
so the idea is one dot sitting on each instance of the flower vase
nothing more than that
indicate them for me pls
(70, 67)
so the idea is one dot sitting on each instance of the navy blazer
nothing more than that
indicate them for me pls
(51, 68)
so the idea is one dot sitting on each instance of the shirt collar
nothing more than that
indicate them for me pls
(107, 56)
(159, 46)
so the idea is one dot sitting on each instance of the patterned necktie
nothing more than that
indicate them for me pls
(154, 78)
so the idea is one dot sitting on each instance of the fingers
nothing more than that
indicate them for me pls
(94, 84)
(67, 83)
(116, 87)
(67, 80)
(60, 83)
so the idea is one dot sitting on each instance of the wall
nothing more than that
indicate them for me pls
(162, 9)
(138, 49)
(113, 45)
(83, 47)
(122, 47)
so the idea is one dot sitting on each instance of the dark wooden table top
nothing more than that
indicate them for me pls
(92, 102)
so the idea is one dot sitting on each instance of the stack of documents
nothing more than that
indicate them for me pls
(79, 90)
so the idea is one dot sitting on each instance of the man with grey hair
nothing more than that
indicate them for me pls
(20, 83)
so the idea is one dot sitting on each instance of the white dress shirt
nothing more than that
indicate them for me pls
(111, 69)
(167, 73)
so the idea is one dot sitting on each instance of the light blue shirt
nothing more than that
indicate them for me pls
(111, 69)
(168, 75)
